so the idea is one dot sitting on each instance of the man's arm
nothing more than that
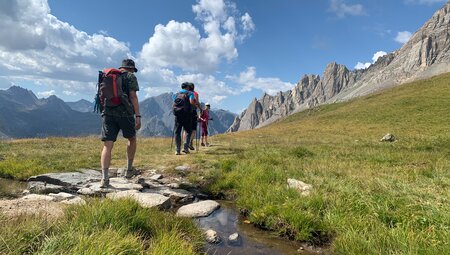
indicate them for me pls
(135, 103)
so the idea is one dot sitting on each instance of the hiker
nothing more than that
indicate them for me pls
(195, 115)
(183, 103)
(125, 116)
(204, 119)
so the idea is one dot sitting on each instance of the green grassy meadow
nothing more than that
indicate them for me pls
(369, 197)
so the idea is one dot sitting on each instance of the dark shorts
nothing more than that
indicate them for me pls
(194, 121)
(111, 125)
(185, 123)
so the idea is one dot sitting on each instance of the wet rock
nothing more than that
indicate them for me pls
(388, 138)
(234, 239)
(148, 183)
(212, 237)
(144, 199)
(43, 188)
(199, 209)
(303, 188)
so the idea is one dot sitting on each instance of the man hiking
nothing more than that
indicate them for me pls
(195, 115)
(204, 119)
(183, 102)
(125, 116)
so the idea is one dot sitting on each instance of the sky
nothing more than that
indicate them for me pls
(233, 50)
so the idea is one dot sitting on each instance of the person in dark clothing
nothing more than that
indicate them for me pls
(184, 101)
(195, 115)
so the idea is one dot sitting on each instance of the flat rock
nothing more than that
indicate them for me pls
(156, 177)
(303, 188)
(144, 199)
(68, 179)
(200, 209)
(74, 201)
(62, 196)
(36, 197)
(174, 194)
(388, 138)
(116, 184)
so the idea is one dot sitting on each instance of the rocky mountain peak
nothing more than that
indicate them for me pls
(426, 54)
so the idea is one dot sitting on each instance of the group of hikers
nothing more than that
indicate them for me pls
(118, 104)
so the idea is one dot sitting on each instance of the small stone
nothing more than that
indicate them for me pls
(234, 238)
(388, 138)
(303, 188)
(156, 177)
(247, 222)
(212, 237)
(173, 185)
(183, 168)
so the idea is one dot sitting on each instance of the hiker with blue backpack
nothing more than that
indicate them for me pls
(117, 101)
(183, 103)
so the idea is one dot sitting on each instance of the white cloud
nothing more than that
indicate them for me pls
(403, 37)
(181, 44)
(269, 85)
(35, 45)
(378, 55)
(342, 9)
(375, 57)
(46, 93)
(360, 65)
(426, 2)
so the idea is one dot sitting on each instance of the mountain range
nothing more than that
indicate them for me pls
(23, 115)
(425, 54)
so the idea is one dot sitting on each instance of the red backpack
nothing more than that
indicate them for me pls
(110, 89)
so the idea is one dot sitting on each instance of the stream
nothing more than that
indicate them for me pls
(253, 241)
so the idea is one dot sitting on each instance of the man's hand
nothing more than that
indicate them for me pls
(138, 123)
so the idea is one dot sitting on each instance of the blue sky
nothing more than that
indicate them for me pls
(232, 50)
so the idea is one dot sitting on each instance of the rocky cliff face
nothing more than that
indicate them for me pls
(426, 54)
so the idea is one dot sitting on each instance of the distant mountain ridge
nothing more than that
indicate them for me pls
(426, 54)
(23, 115)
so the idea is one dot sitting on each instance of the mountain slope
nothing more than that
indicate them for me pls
(424, 55)
(81, 105)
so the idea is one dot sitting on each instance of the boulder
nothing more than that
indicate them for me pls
(175, 195)
(199, 209)
(303, 188)
(61, 196)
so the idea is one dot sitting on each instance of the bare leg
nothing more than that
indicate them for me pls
(106, 161)
(131, 151)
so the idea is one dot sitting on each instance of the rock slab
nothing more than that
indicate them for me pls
(199, 209)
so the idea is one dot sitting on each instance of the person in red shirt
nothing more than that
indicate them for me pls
(204, 119)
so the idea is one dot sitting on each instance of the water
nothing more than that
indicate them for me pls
(253, 241)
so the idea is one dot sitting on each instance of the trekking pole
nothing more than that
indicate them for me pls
(196, 135)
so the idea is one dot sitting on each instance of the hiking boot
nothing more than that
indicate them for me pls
(177, 153)
(191, 148)
(186, 151)
(104, 183)
(203, 144)
(128, 174)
